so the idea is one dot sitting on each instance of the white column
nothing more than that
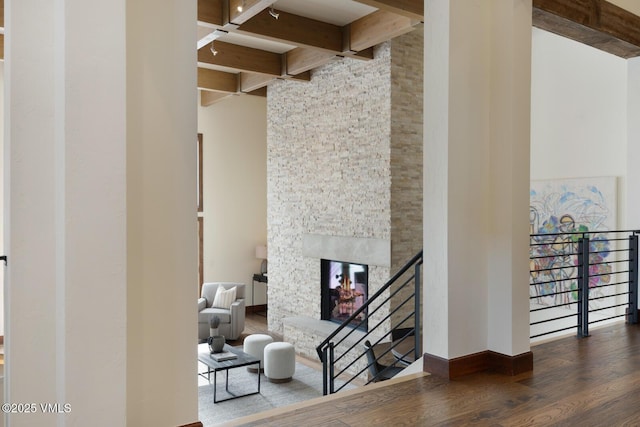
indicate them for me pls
(162, 260)
(476, 176)
(633, 144)
(508, 326)
(2, 175)
(100, 213)
(436, 178)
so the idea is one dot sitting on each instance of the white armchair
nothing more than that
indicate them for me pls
(231, 319)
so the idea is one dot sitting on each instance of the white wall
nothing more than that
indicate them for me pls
(235, 186)
(578, 112)
(632, 219)
(633, 138)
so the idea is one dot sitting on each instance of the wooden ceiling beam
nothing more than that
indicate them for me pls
(242, 58)
(294, 29)
(306, 76)
(376, 28)
(232, 83)
(253, 81)
(596, 23)
(259, 92)
(250, 82)
(210, 13)
(365, 54)
(217, 80)
(413, 9)
(208, 98)
(304, 59)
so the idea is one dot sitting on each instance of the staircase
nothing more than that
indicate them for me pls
(394, 337)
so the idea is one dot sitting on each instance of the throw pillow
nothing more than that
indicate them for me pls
(224, 297)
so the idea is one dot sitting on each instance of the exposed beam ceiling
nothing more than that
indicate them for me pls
(596, 23)
(254, 48)
(309, 34)
(260, 48)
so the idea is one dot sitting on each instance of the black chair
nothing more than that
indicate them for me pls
(402, 333)
(377, 371)
(402, 340)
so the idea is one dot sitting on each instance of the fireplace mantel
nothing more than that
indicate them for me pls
(359, 250)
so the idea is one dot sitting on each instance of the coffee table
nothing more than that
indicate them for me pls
(242, 359)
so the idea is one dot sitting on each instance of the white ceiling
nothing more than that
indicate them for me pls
(337, 12)
(256, 43)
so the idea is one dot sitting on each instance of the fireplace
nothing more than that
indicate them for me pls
(344, 288)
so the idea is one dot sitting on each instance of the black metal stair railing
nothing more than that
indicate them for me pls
(343, 352)
(581, 278)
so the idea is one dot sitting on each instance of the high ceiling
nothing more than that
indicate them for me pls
(258, 41)
(253, 48)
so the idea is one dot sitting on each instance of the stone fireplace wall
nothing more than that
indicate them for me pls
(339, 148)
(406, 155)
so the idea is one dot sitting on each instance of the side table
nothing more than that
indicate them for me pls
(260, 278)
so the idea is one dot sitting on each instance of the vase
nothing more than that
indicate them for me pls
(216, 343)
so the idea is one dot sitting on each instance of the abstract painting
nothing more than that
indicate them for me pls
(590, 202)
(567, 206)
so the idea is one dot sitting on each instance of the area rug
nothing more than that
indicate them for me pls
(306, 384)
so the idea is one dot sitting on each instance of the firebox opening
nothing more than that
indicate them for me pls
(344, 291)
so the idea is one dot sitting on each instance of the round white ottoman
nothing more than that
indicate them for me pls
(279, 362)
(254, 345)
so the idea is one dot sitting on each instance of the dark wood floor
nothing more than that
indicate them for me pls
(593, 381)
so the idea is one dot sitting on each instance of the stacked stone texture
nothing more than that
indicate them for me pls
(344, 158)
